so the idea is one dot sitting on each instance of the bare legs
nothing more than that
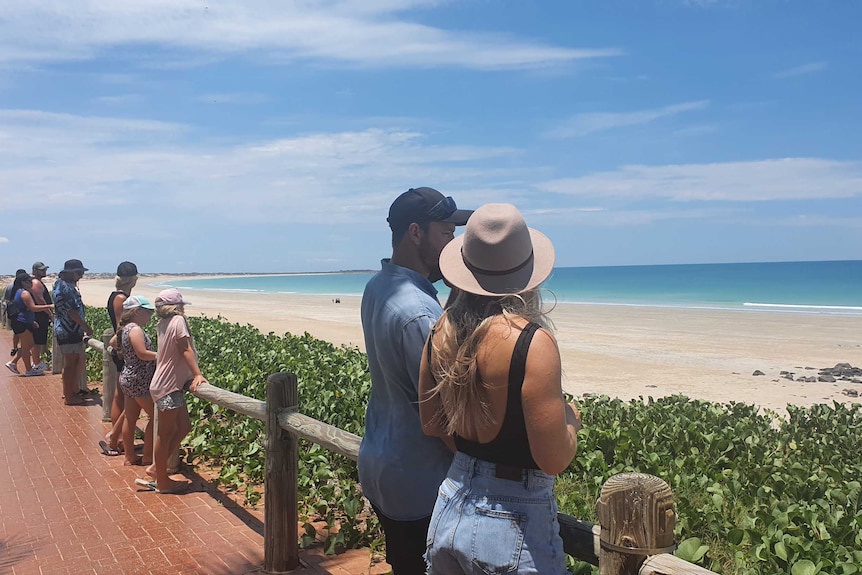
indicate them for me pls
(25, 349)
(130, 422)
(174, 425)
(36, 353)
(73, 371)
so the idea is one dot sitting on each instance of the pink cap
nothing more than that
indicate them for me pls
(170, 296)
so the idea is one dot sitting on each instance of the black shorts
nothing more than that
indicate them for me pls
(40, 334)
(19, 327)
(74, 338)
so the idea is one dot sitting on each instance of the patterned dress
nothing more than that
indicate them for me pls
(137, 374)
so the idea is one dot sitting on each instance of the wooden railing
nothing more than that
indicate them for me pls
(636, 510)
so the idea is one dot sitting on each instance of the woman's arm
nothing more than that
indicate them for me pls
(118, 305)
(27, 298)
(139, 344)
(552, 424)
(190, 359)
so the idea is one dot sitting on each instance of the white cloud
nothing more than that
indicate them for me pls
(111, 165)
(583, 124)
(234, 98)
(754, 181)
(120, 100)
(4, 240)
(352, 32)
(800, 70)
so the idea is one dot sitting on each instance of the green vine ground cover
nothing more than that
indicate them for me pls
(755, 492)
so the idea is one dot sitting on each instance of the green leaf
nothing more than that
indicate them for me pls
(691, 550)
(804, 567)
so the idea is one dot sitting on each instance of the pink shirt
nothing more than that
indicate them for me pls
(172, 371)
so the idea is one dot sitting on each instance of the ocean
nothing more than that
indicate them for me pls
(824, 287)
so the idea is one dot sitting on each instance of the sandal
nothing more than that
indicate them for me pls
(108, 450)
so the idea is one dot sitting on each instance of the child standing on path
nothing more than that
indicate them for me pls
(138, 369)
(176, 366)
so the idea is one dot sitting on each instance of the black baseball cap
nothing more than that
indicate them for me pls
(423, 205)
(127, 269)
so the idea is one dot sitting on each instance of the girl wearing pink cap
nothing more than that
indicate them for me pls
(176, 368)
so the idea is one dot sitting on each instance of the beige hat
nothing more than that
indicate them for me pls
(497, 254)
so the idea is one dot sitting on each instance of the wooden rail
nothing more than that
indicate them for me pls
(637, 507)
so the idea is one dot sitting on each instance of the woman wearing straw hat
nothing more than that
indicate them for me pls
(491, 379)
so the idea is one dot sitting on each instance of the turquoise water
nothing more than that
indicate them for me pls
(833, 287)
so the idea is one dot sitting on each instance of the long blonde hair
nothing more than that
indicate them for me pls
(454, 352)
(168, 311)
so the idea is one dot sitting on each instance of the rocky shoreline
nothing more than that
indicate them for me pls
(840, 372)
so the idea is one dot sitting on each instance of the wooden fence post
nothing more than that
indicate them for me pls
(637, 516)
(280, 526)
(85, 383)
(109, 377)
(56, 357)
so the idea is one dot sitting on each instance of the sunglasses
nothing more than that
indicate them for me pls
(442, 209)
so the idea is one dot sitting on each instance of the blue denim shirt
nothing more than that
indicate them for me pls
(400, 468)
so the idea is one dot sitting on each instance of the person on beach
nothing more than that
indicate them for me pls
(11, 312)
(70, 328)
(400, 468)
(490, 380)
(176, 370)
(126, 279)
(43, 318)
(24, 324)
(139, 366)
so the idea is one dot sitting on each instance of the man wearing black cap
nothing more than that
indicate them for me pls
(400, 468)
(41, 296)
(70, 328)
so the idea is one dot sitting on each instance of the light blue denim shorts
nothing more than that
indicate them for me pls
(173, 400)
(483, 524)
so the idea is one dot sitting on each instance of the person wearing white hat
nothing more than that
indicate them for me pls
(490, 379)
(139, 366)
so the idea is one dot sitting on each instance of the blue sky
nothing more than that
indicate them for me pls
(259, 135)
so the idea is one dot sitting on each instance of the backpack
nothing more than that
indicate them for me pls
(11, 309)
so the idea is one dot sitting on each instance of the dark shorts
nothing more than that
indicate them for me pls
(405, 543)
(20, 327)
(174, 400)
(74, 338)
(40, 334)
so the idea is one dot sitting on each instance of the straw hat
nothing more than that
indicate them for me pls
(497, 254)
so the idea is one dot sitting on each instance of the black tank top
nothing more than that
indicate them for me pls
(111, 313)
(511, 446)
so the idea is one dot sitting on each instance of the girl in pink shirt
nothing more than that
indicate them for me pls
(176, 370)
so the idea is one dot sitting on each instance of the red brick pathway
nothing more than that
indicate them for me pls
(67, 509)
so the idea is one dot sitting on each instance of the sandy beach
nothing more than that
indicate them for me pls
(624, 352)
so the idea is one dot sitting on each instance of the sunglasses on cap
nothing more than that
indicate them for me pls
(442, 209)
